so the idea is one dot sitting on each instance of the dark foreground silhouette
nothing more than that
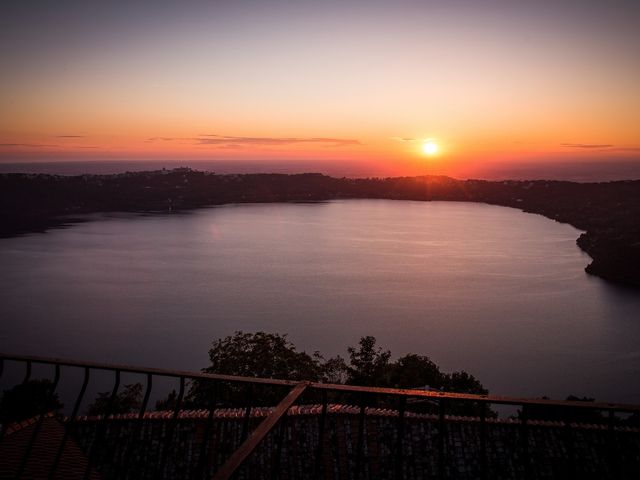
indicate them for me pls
(609, 213)
(220, 425)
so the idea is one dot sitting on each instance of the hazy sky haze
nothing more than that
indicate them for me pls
(489, 80)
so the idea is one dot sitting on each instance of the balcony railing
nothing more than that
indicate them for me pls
(401, 400)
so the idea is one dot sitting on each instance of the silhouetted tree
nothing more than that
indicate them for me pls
(128, 400)
(169, 402)
(462, 382)
(258, 354)
(262, 354)
(369, 365)
(335, 370)
(27, 400)
(272, 355)
(415, 371)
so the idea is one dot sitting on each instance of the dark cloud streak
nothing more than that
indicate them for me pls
(587, 145)
(239, 142)
(31, 145)
(211, 139)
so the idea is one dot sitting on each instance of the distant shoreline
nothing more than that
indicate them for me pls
(582, 171)
(608, 212)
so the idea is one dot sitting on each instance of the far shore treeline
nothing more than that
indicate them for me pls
(608, 212)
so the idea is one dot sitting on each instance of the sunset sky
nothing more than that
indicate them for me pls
(353, 81)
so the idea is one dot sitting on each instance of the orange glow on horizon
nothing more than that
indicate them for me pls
(386, 155)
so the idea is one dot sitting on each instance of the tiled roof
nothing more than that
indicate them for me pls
(14, 446)
(299, 410)
(17, 426)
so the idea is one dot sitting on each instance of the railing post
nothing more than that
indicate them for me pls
(524, 443)
(101, 430)
(614, 467)
(126, 464)
(202, 457)
(69, 423)
(49, 395)
(247, 412)
(483, 441)
(400, 440)
(360, 444)
(571, 461)
(275, 468)
(170, 431)
(3, 427)
(321, 429)
(441, 438)
(27, 373)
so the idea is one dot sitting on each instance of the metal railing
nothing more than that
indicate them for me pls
(296, 389)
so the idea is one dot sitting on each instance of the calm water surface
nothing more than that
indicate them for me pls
(488, 289)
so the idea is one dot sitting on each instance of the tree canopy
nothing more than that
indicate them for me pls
(272, 355)
(262, 354)
(28, 399)
(128, 400)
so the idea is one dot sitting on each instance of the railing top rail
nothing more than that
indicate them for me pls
(400, 392)
(154, 371)
(493, 399)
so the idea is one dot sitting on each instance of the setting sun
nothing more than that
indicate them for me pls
(429, 147)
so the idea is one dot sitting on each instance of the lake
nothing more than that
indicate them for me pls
(491, 290)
